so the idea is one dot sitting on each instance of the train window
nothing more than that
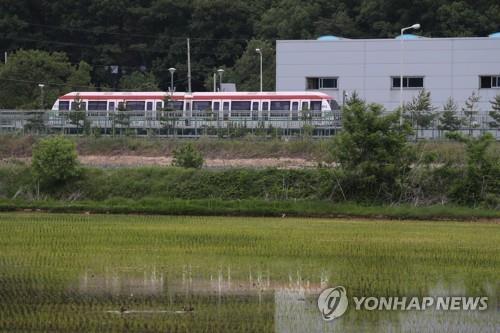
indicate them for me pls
(315, 105)
(136, 105)
(305, 106)
(149, 106)
(97, 105)
(202, 105)
(240, 105)
(295, 106)
(159, 106)
(79, 106)
(64, 105)
(255, 106)
(111, 106)
(216, 106)
(280, 105)
(174, 105)
(225, 106)
(265, 106)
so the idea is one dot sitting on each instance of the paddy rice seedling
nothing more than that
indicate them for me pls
(82, 273)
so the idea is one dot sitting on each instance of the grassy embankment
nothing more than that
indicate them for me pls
(250, 147)
(63, 272)
(245, 192)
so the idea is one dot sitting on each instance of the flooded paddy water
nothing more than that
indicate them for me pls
(75, 273)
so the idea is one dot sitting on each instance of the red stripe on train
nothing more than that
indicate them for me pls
(198, 98)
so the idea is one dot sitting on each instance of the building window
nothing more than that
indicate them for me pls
(321, 83)
(489, 81)
(409, 82)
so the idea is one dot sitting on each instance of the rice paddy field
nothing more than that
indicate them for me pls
(131, 273)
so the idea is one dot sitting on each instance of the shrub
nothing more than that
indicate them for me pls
(373, 152)
(54, 161)
(480, 181)
(187, 157)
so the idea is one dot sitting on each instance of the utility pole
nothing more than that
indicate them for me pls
(189, 66)
(215, 82)
(5, 57)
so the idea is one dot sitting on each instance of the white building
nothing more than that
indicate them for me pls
(447, 67)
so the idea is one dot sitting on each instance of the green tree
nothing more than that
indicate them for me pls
(420, 111)
(19, 79)
(246, 71)
(77, 116)
(449, 119)
(168, 115)
(55, 161)
(80, 79)
(353, 99)
(495, 112)
(187, 157)
(372, 151)
(139, 81)
(470, 110)
(289, 19)
(122, 117)
(480, 181)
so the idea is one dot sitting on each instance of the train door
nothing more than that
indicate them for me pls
(149, 113)
(216, 108)
(294, 110)
(255, 110)
(226, 109)
(264, 115)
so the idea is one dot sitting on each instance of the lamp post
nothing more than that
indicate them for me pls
(220, 71)
(41, 85)
(259, 51)
(416, 26)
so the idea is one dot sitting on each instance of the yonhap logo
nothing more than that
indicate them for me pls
(332, 302)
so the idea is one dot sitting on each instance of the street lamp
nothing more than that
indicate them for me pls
(259, 51)
(172, 71)
(41, 85)
(416, 26)
(220, 71)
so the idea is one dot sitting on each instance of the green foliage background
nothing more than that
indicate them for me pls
(117, 39)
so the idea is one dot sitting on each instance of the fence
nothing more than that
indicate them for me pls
(172, 124)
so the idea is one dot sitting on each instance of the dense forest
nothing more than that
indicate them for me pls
(130, 44)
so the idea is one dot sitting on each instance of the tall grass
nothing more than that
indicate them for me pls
(254, 207)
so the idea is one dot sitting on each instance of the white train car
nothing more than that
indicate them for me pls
(197, 110)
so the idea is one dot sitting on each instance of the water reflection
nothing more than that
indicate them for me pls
(293, 304)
